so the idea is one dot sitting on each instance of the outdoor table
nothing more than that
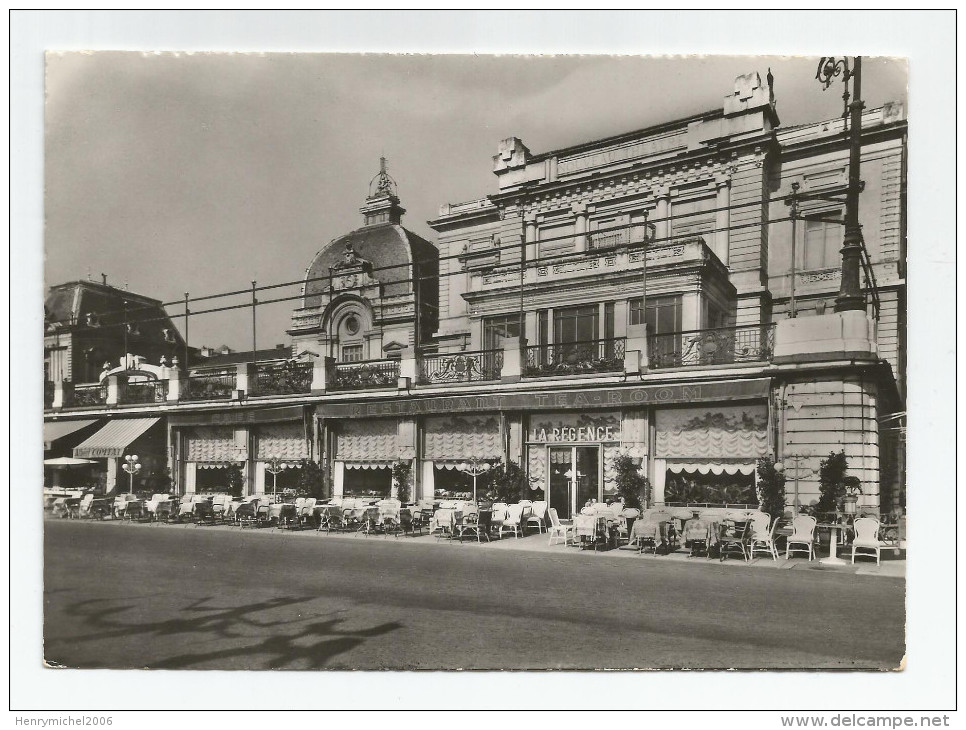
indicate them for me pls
(833, 548)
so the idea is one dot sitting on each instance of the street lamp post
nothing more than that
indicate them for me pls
(475, 468)
(132, 467)
(798, 472)
(274, 467)
(850, 296)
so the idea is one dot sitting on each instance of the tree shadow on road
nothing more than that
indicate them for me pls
(284, 651)
(207, 622)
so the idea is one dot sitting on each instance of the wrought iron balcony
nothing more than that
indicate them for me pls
(575, 358)
(152, 392)
(210, 386)
(363, 375)
(89, 394)
(721, 346)
(284, 379)
(460, 367)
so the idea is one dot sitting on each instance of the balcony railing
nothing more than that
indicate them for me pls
(460, 367)
(89, 394)
(285, 379)
(575, 358)
(363, 375)
(48, 393)
(212, 386)
(153, 392)
(721, 346)
(610, 239)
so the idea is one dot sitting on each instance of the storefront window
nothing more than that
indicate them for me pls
(712, 489)
(374, 483)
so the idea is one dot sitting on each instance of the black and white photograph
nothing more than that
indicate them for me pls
(440, 361)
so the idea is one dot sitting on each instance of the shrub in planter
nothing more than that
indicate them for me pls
(771, 488)
(505, 482)
(311, 480)
(632, 486)
(401, 477)
(831, 477)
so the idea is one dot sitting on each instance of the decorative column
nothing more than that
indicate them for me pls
(530, 221)
(722, 222)
(661, 227)
(512, 359)
(114, 386)
(580, 226)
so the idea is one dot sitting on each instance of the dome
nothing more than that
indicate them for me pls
(388, 247)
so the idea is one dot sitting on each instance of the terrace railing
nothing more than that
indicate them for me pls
(284, 379)
(721, 346)
(89, 394)
(209, 386)
(460, 367)
(362, 375)
(152, 392)
(575, 358)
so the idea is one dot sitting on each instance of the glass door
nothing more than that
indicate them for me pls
(588, 474)
(571, 487)
(560, 493)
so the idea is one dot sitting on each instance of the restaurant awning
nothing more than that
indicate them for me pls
(56, 430)
(115, 436)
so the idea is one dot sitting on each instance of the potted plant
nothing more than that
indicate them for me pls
(632, 486)
(852, 487)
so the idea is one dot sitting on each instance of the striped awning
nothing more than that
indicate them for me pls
(59, 429)
(111, 440)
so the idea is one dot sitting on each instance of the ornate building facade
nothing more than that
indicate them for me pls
(626, 295)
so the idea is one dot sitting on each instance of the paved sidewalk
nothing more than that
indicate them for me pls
(892, 565)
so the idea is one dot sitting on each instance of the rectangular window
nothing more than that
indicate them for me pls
(556, 240)
(543, 327)
(352, 353)
(694, 217)
(498, 329)
(663, 314)
(822, 242)
(576, 324)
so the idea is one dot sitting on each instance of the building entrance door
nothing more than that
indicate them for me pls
(569, 488)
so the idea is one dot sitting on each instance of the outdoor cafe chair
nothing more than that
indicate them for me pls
(513, 522)
(558, 529)
(867, 539)
(734, 535)
(803, 533)
(81, 508)
(763, 537)
(204, 513)
(120, 507)
(538, 514)
(331, 518)
(625, 521)
(409, 524)
(219, 506)
(307, 512)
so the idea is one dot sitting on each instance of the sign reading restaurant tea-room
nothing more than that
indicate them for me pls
(641, 395)
(575, 427)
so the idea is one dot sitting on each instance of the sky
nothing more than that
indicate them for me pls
(199, 172)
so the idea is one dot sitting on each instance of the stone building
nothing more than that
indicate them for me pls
(623, 295)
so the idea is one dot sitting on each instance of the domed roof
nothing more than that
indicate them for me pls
(388, 247)
(382, 244)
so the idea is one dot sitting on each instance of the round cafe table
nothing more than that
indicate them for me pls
(833, 548)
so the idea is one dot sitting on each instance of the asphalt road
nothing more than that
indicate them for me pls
(131, 596)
